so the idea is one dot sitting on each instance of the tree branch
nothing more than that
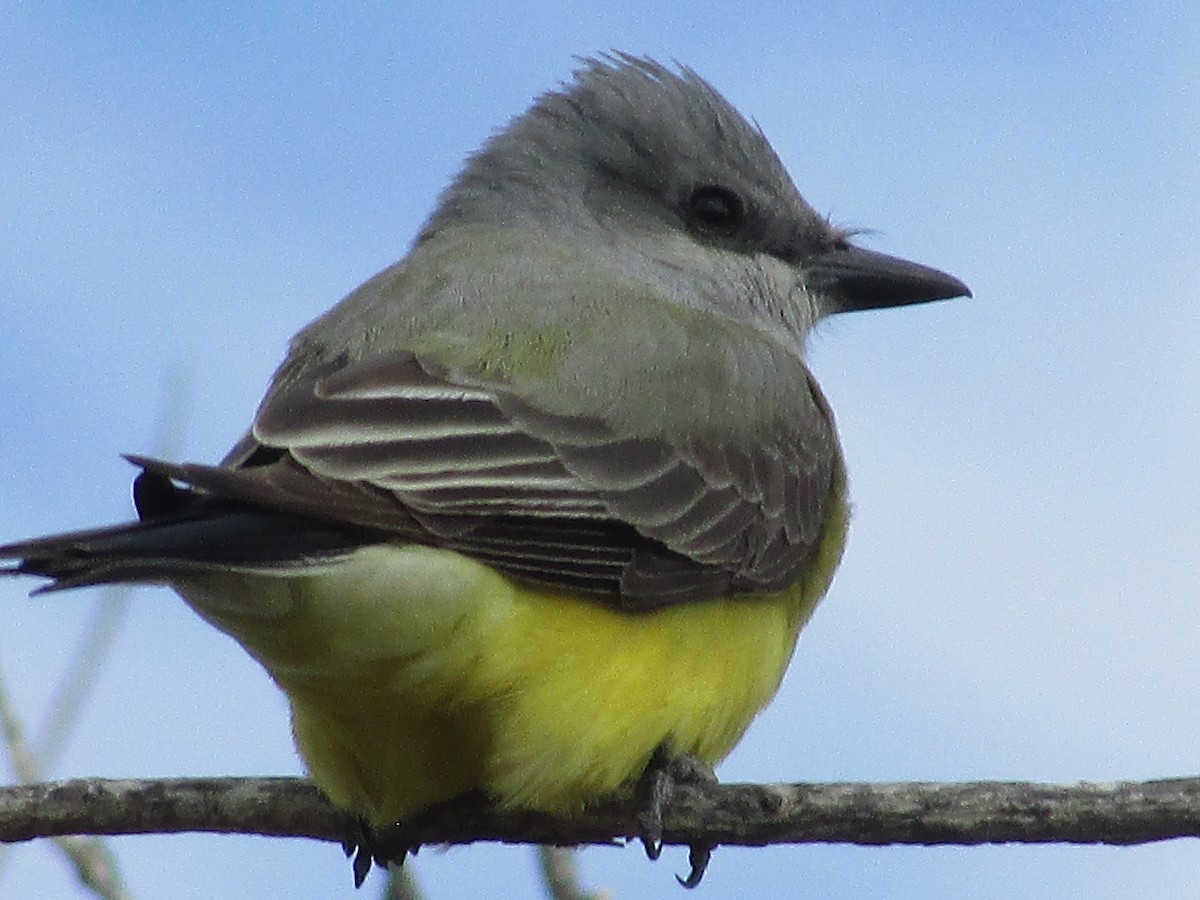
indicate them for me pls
(94, 863)
(742, 814)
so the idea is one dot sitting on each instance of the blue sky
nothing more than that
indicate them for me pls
(183, 186)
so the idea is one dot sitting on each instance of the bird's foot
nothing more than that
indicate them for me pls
(654, 790)
(365, 848)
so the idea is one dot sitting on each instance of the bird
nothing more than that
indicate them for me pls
(543, 506)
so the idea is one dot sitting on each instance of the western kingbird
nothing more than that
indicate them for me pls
(553, 495)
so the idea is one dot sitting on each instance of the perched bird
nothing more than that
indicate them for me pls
(547, 502)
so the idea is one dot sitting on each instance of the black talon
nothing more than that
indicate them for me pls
(358, 847)
(362, 865)
(653, 791)
(650, 818)
(389, 846)
(366, 848)
(698, 857)
(663, 772)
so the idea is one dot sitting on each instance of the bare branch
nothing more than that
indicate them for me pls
(744, 814)
(560, 872)
(87, 659)
(94, 863)
(98, 637)
(401, 884)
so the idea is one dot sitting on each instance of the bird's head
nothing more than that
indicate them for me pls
(654, 167)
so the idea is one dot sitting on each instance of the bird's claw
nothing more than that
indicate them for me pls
(358, 847)
(698, 857)
(654, 790)
(366, 849)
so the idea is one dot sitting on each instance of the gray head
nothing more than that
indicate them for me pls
(630, 150)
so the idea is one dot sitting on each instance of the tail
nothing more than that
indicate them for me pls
(181, 532)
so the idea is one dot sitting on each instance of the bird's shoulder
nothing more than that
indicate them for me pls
(583, 431)
(566, 332)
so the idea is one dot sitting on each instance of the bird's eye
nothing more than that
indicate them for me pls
(715, 209)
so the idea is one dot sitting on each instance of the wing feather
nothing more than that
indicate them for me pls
(401, 444)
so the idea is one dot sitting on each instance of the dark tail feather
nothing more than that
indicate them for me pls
(181, 533)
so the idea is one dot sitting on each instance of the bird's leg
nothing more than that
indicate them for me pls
(366, 847)
(391, 845)
(358, 848)
(654, 789)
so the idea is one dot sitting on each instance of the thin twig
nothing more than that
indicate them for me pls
(1118, 813)
(401, 884)
(76, 685)
(560, 872)
(94, 864)
(98, 637)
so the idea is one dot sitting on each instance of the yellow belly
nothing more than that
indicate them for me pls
(416, 675)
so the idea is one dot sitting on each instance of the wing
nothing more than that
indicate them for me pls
(406, 446)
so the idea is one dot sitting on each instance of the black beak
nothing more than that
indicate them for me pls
(854, 279)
